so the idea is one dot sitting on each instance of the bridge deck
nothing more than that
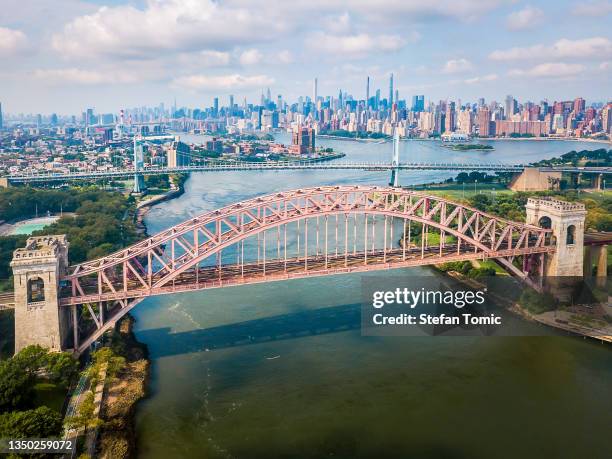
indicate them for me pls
(382, 166)
(294, 268)
(602, 238)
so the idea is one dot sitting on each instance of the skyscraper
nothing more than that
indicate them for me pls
(89, 115)
(579, 105)
(450, 117)
(315, 91)
(418, 103)
(606, 119)
(391, 90)
(484, 122)
(367, 91)
(510, 107)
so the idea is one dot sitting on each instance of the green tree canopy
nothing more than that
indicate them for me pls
(42, 422)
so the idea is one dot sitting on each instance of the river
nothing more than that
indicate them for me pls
(329, 392)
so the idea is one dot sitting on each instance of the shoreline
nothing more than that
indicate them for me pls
(118, 439)
(542, 319)
(117, 436)
(497, 139)
(143, 207)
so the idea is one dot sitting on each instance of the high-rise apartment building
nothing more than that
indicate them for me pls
(179, 154)
(579, 105)
(510, 107)
(304, 139)
(450, 117)
(606, 119)
(484, 122)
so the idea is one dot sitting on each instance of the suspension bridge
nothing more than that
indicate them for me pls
(40, 178)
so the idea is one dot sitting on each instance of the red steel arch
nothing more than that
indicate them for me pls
(171, 261)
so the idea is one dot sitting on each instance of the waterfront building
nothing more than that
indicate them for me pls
(304, 139)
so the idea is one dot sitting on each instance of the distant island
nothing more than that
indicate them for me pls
(359, 135)
(468, 147)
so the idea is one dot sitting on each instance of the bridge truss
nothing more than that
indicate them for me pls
(292, 234)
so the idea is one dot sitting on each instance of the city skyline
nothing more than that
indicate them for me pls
(73, 54)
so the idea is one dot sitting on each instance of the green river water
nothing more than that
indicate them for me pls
(218, 390)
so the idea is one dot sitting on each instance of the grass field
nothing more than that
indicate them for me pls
(463, 191)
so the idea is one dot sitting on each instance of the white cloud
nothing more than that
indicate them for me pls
(355, 46)
(222, 82)
(250, 57)
(526, 18)
(596, 47)
(213, 58)
(605, 65)
(337, 24)
(550, 70)
(12, 41)
(593, 8)
(163, 26)
(481, 79)
(457, 66)
(285, 57)
(70, 76)
(418, 10)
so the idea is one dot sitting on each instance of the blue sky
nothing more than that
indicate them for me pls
(66, 55)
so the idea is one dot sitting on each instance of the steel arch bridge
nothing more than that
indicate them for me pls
(291, 234)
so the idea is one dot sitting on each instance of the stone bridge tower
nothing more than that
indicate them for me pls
(36, 270)
(566, 219)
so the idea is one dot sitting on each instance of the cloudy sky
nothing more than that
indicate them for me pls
(64, 55)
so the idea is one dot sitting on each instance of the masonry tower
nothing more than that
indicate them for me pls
(566, 219)
(37, 269)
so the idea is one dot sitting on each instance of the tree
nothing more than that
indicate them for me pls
(62, 367)
(42, 422)
(31, 358)
(85, 416)
(481, 202)
(16, 385)
(462, 177)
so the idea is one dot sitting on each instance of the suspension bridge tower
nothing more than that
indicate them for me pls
(36, 270)
(395, 161)
(139, 184)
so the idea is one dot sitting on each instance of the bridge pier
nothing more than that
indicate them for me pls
(599, 254)
(533, 179)
(598, 181)
(38, 317)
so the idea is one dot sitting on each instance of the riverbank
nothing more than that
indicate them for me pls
(558, 319)
(117, 437)
(143, 207)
